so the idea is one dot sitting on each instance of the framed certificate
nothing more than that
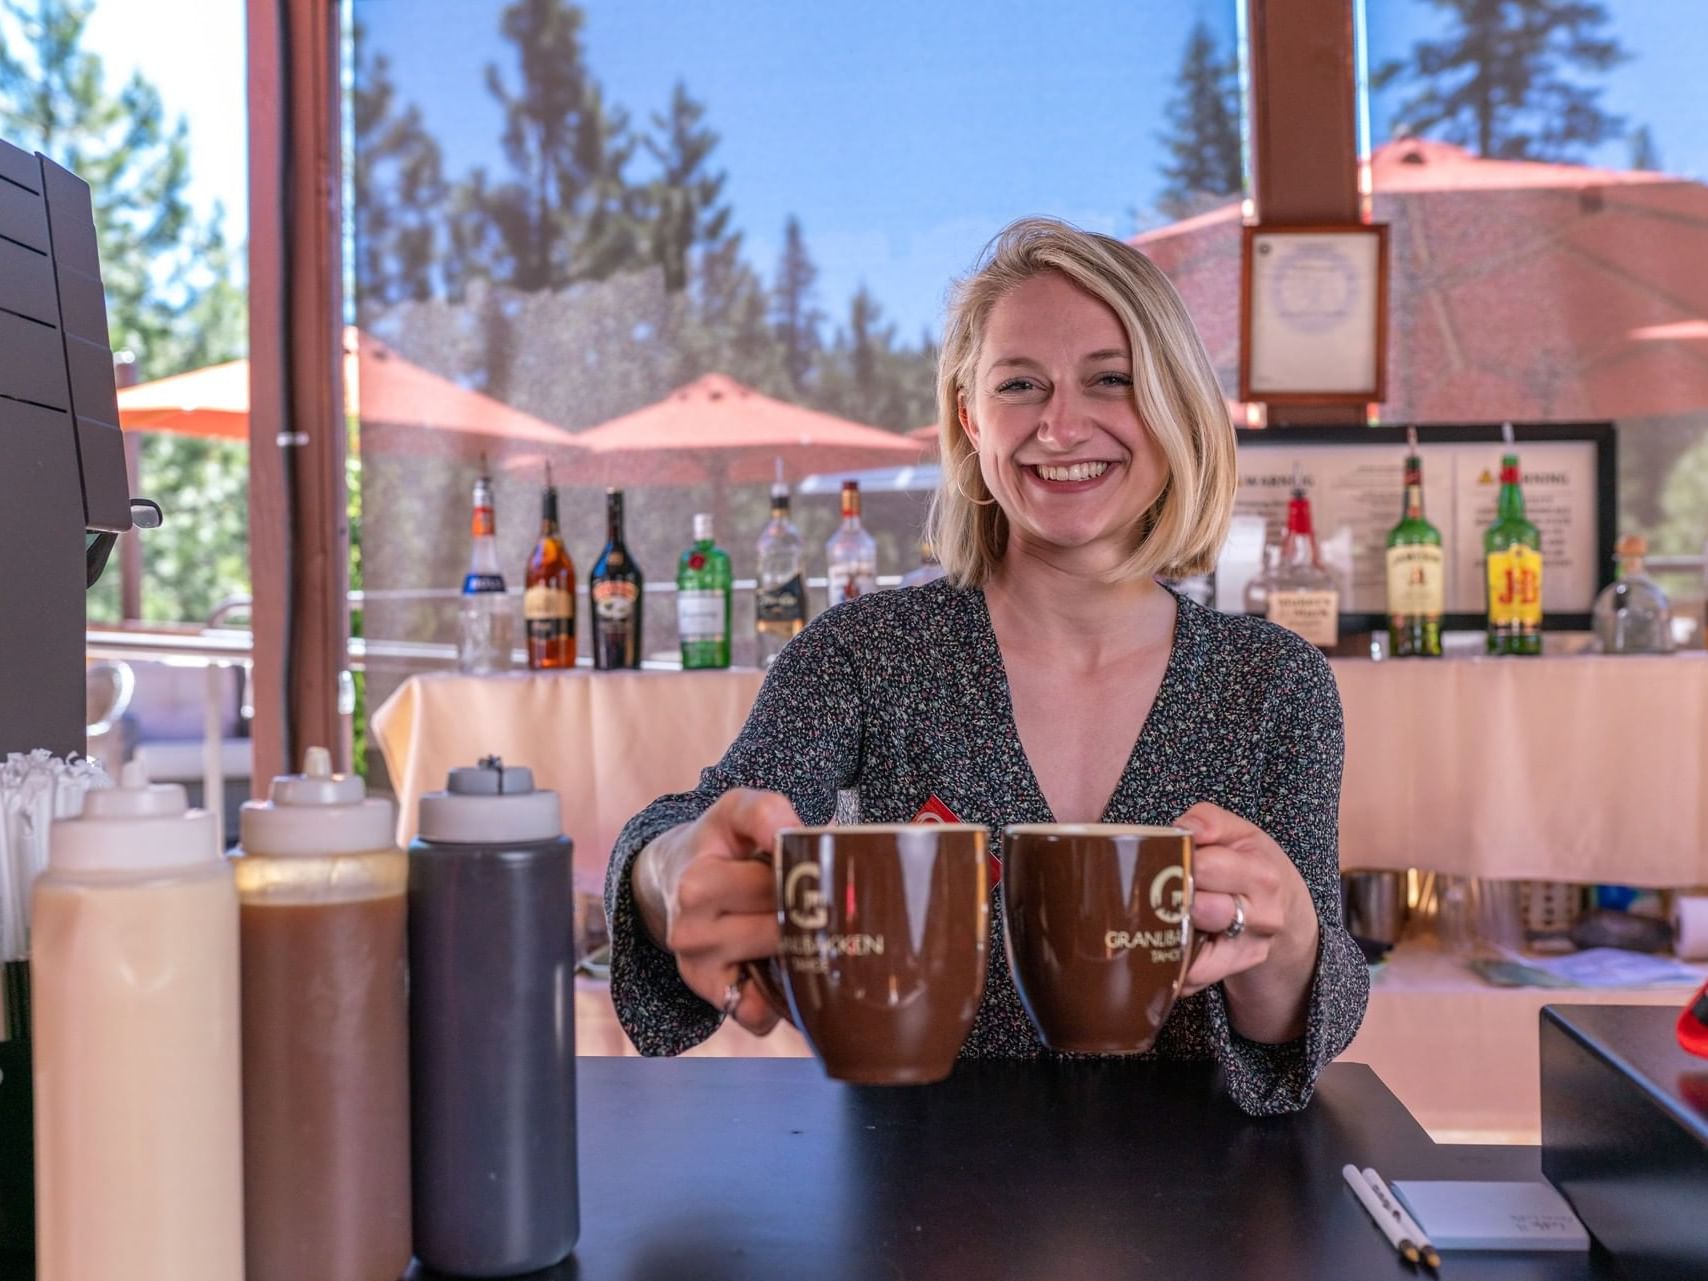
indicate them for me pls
(1314, 314)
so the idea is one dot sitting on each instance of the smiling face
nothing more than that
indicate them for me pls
(1051, 412)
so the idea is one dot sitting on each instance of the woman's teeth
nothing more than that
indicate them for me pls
(1077, 471)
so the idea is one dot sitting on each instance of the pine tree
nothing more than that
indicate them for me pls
(683, 213)
(563, 212)
(794, 315)
(1203, 138)
(1644, 154)
(400, 190)
(1508, 79)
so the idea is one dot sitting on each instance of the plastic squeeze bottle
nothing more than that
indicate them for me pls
(492, 1026)
(138, 1109)
(325, 1031)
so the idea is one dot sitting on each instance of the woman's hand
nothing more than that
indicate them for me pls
(704, 896)
(1266, 970)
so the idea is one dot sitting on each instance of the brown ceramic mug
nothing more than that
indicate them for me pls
(884, 946)
(1098, 927)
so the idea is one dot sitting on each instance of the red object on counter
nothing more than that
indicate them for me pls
(1693, 1024)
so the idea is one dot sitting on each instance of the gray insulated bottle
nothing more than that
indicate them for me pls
(492, 1026)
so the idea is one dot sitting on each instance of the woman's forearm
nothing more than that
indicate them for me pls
(649, 880)
(1268, 1004)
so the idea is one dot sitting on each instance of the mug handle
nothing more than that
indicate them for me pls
(767, 976)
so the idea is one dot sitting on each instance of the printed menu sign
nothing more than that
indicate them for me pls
(1357, 490)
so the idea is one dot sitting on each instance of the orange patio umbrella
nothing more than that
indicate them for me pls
(715, 431)
(1518, 289)
(397, 400)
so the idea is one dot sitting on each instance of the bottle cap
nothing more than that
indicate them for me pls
(137, 826)
(702, 527)
(317, 812)
(490, 803)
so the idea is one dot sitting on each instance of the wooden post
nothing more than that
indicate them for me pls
(1304, 114)
(298, 526)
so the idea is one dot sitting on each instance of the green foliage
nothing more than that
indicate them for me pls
(1204, 167)
(794, 309)
(397, 175)
(1644, 154)
(682, 212)
(1510, 79)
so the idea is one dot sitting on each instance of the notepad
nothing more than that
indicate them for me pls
(1493, 1216)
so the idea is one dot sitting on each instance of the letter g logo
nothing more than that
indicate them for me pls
(1167, 900)
(802, 901)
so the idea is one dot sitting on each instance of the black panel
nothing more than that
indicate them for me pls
(20, 166)
(23, 217)
(1625, 1135)
(32, 363)
(106, 484)
(71, 218)
(26, 283)
(41, 582)
(93, 393)
(83, 308)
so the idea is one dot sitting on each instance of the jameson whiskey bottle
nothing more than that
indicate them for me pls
(484, 613)
(780, 606)
(851, 554)
(1416, 578)
(617, 591)
(548, 601)
(703, 600)
(1303, 596)
(1513, 550)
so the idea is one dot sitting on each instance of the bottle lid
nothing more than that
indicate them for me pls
(137, 826)
(1631, 546)
(490, 803)
(702, 527)
(317, 812)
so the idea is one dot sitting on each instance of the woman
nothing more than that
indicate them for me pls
(1049, 678)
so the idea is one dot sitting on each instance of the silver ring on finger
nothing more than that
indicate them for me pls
(1237, 926)
(732, 995)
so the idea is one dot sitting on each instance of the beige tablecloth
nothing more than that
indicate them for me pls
(1587, 769)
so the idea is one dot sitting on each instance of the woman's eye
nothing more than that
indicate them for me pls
(1016, 384)
(1114, 380)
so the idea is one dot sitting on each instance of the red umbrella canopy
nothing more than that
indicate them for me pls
(1518, 289)
(715, 430)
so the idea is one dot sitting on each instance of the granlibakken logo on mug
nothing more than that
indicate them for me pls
(808, 911)
(1175, 899)
(803, 900)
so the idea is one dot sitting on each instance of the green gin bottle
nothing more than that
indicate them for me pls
(1416, 577)
(1512, 547)
(703, 600)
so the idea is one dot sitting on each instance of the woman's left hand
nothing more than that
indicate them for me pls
(1277, 949)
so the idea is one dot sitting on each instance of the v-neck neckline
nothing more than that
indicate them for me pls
(1002, 699)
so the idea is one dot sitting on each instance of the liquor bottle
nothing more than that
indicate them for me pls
(1632, 614)
(929, 570)
(483, 616)
(703, 600)
(617, 591)
(548, 603)
(1301, 595)
(1416, 573)
(780, 605)
(1512, 547)
(851, 553)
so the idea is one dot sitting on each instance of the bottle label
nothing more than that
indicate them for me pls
(785, 603)
(1313, 615)
(700, 616)
(543, 602)
(1515, 587)
(850, 585)
(1417, 583)
(476, 583)
(614, 601)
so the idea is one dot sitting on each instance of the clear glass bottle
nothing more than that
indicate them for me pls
(851, 554)
(1632, 614)
(929, 570)
(703, 592)
(484, 614)
(1302, 596)
(1255, 598)
(780, 606)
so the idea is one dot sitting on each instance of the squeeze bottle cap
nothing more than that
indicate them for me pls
(490, 803)
(137, 826)
(317, 812)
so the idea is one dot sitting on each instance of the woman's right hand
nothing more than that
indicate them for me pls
(705, 896)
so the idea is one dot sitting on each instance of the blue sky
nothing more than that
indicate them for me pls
(903, 135)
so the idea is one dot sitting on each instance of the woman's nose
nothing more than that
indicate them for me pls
(1066, 421)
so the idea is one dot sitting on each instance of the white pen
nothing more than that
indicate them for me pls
(1410, 1226)
(1389, 1225)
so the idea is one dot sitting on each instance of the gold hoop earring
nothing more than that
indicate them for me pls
(955, 480)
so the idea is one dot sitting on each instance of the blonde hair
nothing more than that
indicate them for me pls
(1174, 386)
